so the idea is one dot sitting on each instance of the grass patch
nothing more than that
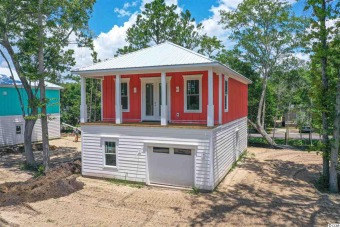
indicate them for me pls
(194, 191)
(38, 170)
(303, 144)
(132, 184)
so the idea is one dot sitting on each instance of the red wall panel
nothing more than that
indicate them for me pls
(238, 99)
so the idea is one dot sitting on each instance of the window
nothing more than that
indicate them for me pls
(163, 150)
(182, 151)
(125, 96)
(18, 130)
(226, 94)
(110, 154)
(193, 93)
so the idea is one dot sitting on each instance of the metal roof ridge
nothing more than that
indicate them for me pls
(119, 56)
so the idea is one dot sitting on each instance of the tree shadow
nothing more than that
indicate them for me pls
(282, 194)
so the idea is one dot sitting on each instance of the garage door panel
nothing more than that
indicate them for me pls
(170, 168)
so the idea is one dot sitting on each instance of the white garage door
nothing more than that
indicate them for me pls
(171, 166)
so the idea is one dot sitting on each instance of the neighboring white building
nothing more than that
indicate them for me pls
(12, 124)
(170, 116)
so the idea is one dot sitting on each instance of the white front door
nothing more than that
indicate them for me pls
(152, 99)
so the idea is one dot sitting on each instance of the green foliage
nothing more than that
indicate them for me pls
(38, 170)
(259, 27)
(159, 22)
(70, 100)
(194, 190)
(303, 144)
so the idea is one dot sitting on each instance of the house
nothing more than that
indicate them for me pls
(170, 116)
(12, 123)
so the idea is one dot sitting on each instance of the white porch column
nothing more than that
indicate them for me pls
(220, 81)
(164, 107)
(101, 99)
(83, 106)
(119, 119)
(210, 117)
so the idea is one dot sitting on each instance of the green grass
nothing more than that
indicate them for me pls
(132, 184)
(302, 144)
(38, 170)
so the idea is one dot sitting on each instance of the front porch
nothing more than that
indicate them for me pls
(150, 124)
(174, 99)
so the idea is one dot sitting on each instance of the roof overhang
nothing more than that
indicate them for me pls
(215, 66)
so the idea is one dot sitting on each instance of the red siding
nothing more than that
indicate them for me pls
(238, 99)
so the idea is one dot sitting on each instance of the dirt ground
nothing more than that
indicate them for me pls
(270, 188)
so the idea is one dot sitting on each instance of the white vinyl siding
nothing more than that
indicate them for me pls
(229, 140)
(8, 129)
(131, 151)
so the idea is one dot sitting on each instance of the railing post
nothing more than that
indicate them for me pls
(164, 112)
(210, 107)
(83, 106)
(119, 119)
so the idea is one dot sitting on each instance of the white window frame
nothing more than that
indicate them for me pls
(127, 81)
(226, 96)
(108, 139)
(192, 77)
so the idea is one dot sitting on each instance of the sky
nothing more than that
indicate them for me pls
(111, 19)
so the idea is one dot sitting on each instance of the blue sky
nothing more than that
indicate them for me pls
(104, 15)
(111, 19)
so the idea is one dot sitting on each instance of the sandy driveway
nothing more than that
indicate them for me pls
(271, 188)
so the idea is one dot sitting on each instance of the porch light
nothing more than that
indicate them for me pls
(177, 88)
(134, 90)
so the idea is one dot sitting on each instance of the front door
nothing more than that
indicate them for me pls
(152, 99)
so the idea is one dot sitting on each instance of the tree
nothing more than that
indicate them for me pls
(318, 40)
(209, 45)
(265, 33)
(159, 22)
(39, 57)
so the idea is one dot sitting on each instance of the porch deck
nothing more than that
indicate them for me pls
(151, 124)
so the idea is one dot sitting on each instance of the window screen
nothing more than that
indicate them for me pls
(182, 151)
(164, 150)
(193, 95)
(110, 153)
(124, 96)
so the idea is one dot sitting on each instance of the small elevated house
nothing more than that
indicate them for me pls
(170, 116)
(12, 124)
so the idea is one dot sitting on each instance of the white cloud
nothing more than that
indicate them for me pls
(3, 64)
(211, 24)
(122, 12)
(7, 72)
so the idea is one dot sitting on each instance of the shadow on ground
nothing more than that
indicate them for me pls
(281, 194)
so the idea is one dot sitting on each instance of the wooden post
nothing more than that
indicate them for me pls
(119, 119)
(220, 95)
(164, 108)
(210, 107)
(83, 106)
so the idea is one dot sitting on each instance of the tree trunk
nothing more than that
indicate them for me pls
(325, 138)
(33, 114)
(44, 125)
(333, 176)
(274, 127)
(29, 125)
(258, 125)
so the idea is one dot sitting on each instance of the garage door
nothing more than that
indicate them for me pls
(171, 166)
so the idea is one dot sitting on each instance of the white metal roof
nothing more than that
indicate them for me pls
(165, 55)
(6, 81)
